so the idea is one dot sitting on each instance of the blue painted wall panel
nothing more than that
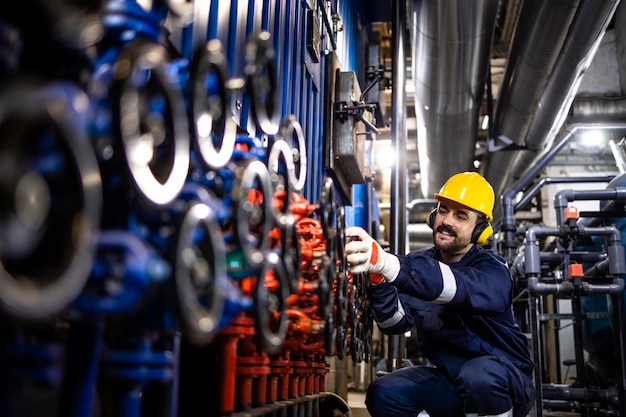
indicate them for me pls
(301, 80)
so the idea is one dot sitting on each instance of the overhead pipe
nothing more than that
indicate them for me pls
(532, 261)
(506, 211)
(451, 46)
(563, 197)
(546, 99)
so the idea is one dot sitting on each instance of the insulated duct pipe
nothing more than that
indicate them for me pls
(538, 90)
(451, 45)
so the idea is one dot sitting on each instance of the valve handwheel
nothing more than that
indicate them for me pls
(50, 199)
(213, 130)
(282, 173)
(254, 214)
(261, 78)
(270, 296)
(151, 117)
(291, 127)
(200, 269)
(328, 212)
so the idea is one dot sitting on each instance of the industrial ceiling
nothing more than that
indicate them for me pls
(518, 62)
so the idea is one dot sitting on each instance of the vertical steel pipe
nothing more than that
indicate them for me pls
(398, 215)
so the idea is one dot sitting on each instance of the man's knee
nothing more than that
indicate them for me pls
(485, 387)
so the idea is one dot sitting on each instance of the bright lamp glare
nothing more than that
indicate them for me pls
(385, 157)
(591, 139)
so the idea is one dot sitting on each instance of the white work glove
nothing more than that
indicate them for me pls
(364, 254)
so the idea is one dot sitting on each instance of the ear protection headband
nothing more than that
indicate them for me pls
(480, 235)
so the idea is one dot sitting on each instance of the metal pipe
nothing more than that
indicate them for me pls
(566, 392)
(531, 192)
(398, 214)
(576, 288)
(451, 43)
(507, 223)
(565, 196)
(571, 41)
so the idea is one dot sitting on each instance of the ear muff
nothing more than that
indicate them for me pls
(430, 220)
(482, 233)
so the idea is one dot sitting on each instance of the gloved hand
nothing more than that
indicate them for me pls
(364, 254)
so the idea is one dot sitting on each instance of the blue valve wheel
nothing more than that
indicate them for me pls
(200, 267)
(291, 128)
(214, 131)
(252, 193)
(50, 200)
(262, 83)
(150, 115)
(282, 173)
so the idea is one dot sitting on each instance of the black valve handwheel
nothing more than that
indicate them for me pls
(252, 194)
(213, 130)
(50, 200)
(328, 213)
(358, 304)
(342, 268)
(149, 113)
(290, 127)
(270, 304)
(262, 83)
(354, 319)
(341, 313)
(341, 240)
(200, 272)
(290, 253)
(326, 299)
(282, 171)
(368, 329)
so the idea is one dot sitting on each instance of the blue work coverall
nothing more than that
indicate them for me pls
(479, 361)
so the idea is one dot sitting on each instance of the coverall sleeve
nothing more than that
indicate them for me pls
(480, 282)
(394, 313)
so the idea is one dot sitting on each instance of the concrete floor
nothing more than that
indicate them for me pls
(356, 401)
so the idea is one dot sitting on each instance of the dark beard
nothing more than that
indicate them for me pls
(453, 247)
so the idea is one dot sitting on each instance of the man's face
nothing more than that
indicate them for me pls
(454, 224)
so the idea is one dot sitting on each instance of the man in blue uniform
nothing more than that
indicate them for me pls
(458, 295)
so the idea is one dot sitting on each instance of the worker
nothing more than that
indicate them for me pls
(458, 296)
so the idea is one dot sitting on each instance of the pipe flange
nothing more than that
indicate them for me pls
(214, 132)
(149, 112)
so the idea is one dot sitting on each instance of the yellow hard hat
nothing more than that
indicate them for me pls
(471, 190)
